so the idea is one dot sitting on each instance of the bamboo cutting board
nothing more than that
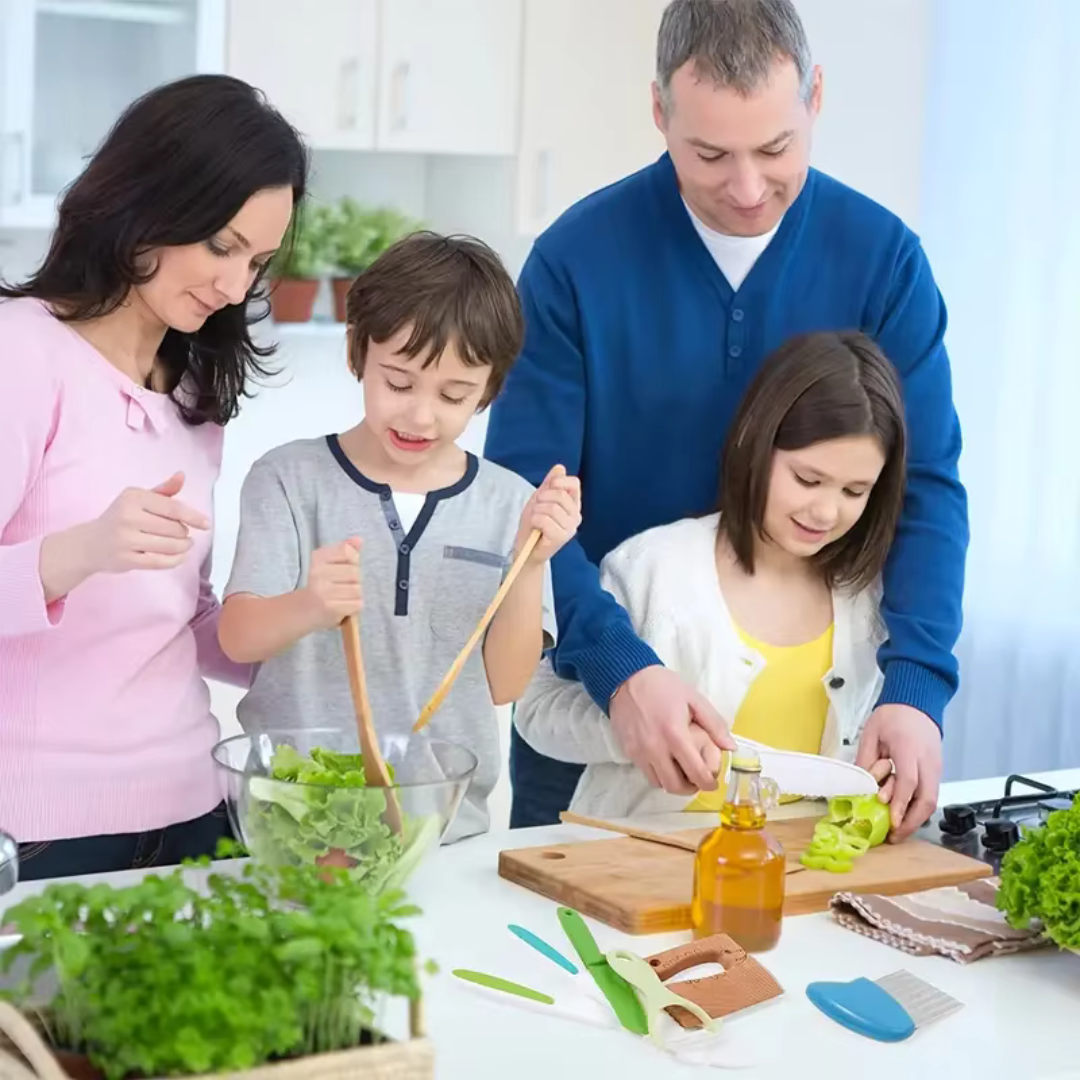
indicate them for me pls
(644, 888)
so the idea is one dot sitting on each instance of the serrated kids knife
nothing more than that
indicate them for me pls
(810, 775)
(620, 994)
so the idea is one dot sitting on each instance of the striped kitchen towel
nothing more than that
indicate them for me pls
(960, 922)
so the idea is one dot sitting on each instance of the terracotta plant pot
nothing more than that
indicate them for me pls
(341, 291)
(292, 300)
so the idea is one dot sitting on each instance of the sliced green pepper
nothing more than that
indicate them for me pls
(865, 816)
(835, 864)
(854, 840)
(834, 847)
(827, 837)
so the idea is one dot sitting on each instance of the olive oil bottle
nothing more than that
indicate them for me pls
(739, 866)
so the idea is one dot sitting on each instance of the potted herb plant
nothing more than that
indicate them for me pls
(360, 235)
(277, 972)
(296, 270)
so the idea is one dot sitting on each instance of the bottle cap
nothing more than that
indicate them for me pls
(746, 759)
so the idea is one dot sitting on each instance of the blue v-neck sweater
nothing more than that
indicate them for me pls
(637, 353)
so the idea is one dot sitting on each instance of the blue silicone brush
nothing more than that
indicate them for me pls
(888, 1009)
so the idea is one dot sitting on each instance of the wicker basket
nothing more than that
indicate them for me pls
(25, 1055)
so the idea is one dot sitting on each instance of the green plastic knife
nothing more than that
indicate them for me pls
(493, 982)
(620, 994)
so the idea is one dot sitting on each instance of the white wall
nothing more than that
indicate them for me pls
(874, 56)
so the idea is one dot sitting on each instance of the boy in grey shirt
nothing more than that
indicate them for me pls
(433, 328)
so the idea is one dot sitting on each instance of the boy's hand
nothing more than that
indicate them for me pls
(554, 509)
(333, 586)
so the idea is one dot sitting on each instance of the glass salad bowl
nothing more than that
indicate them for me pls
(298, 796)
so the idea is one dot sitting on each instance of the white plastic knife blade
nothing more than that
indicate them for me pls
(811, 775)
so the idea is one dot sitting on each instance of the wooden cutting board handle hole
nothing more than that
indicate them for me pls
(554, 855)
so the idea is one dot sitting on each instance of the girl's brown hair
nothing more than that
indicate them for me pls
(826, 385)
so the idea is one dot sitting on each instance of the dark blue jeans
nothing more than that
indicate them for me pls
(124, 851)
(541, 787)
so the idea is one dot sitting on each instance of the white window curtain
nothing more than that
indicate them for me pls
(1001, 225)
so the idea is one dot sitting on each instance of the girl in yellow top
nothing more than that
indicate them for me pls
(770, 607)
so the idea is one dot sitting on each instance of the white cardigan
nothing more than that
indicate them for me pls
(666, 580)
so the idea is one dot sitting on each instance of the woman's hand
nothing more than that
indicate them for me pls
(141, 530)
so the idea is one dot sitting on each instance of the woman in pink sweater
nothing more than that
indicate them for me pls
(121, 359)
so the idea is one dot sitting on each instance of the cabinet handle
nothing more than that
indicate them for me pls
(542, 185)
(348, 92)
(398, 95)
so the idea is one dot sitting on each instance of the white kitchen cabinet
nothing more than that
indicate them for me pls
(449, 76)
(68, 68)
(586, 112)
(318, 69)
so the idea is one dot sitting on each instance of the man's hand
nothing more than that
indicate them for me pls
(913, 741)
(652, 713)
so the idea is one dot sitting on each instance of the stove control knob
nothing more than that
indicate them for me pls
(957, 820)
(999, 834)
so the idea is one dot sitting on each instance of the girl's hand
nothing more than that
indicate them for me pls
(711, 754)
(554, 509)
(333, 585)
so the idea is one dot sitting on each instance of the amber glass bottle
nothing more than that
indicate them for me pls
(739, 867)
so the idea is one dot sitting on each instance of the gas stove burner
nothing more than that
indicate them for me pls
(987, 829)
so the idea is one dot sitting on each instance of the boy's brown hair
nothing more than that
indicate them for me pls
(450, 290)
(820, 386)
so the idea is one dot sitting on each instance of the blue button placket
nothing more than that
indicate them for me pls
(736, 332)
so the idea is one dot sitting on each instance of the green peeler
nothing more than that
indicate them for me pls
(619, 993)
(655, 996)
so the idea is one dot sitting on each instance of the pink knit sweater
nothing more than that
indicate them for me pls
(105, 725)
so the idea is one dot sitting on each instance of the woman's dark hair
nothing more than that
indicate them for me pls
(816, 387)
(176, 168)
(447, 289)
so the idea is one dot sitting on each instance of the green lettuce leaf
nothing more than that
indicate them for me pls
(1040, 878)
(318, 807)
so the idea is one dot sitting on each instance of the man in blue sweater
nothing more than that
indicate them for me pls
(649, 305)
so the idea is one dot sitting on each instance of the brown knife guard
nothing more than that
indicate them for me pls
(743, 983)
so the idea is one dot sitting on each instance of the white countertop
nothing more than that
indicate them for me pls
(1019, 1015)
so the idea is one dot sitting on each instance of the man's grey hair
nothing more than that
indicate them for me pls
(733, 42)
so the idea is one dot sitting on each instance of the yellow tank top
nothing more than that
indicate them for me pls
(786, 704)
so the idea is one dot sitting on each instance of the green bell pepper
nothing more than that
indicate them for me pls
(865, 816)
(834, 863)
(853, 826)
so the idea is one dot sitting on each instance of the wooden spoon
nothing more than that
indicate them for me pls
(443, 688)
(375, 771)
(668, 839)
